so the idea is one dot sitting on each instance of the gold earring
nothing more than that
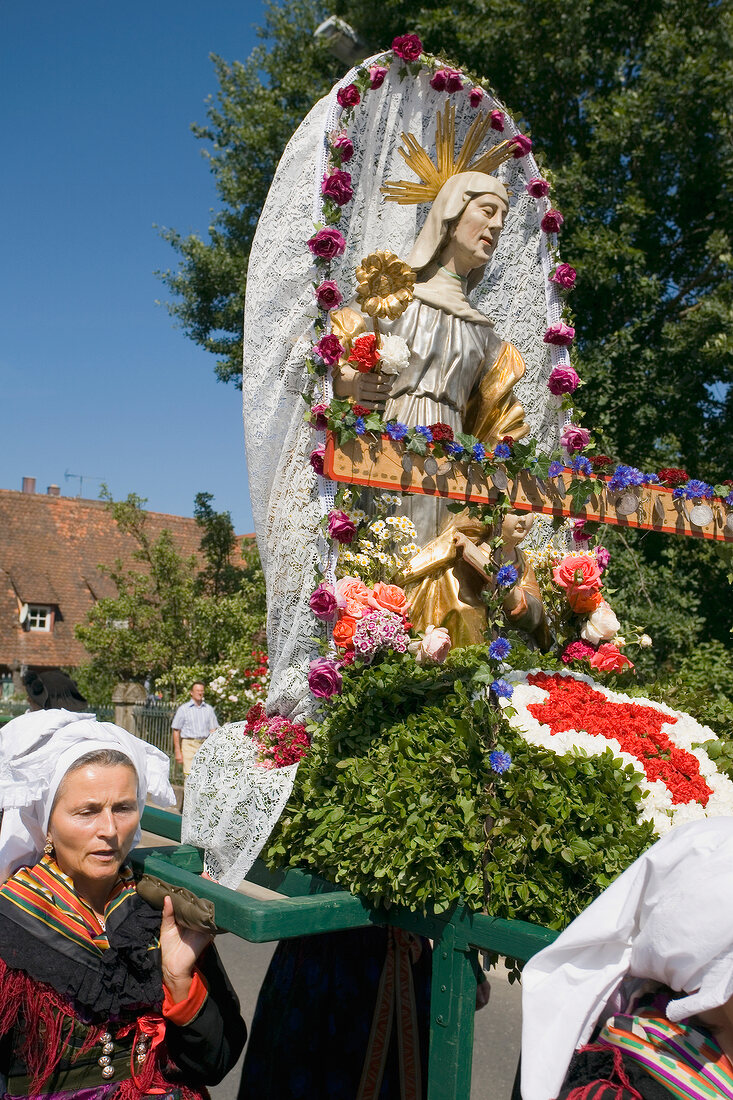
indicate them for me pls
(48, 848)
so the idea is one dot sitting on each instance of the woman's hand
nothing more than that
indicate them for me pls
(179, 950)
(371, 389)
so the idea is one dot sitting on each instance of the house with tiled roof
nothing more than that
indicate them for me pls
(51, 548)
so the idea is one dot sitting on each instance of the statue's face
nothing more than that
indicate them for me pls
(476, 233)
(515, 527)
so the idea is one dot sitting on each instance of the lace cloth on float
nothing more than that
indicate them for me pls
(288, 500)
(231, 804)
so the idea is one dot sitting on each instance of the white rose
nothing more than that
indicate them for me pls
(645, 641)
(394, 354)
(600, 626)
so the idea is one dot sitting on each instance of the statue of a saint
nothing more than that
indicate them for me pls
(460, 373)
(444, 581)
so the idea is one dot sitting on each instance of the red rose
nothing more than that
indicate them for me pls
(337, 187)
(348, 96)
(327, 244)
(564, 275)
(497, 121)
(364, 353)
(377, 74)
(407, 46)
(609, 658)
(552, 222)
(537, 187)
(475, 96)
(328, 295)
(522, 145)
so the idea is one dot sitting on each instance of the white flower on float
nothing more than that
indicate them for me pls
(600, 626)
(394, 354)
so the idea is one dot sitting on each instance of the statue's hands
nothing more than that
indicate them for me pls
(460, 542)
(179, 950)
(370, 390)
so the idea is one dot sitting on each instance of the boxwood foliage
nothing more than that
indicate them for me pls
(391, 801)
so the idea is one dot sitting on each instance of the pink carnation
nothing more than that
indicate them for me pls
(329, 349)
(328, 295)
(564, 275)
(574, 438)
(377, 74)
(560, 334)
(603, 557)
(497, 121)
(348, 96)
(563, 380)
(552, 221)
(327, 244)
(319, 418)
(344, 146)
(577, 651)
(317, 456)
(538, 188)
(475, 96)
(340, 527)
(407, 46)
(522, 145)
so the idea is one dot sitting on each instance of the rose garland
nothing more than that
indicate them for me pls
(568, 712)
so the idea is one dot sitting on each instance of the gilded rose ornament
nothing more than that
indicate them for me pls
(384, 285)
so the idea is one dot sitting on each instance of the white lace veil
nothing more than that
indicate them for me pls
(288, 500)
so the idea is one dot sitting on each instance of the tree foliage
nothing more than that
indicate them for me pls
(171, 611)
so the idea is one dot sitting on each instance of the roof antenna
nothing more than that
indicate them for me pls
(81, 477)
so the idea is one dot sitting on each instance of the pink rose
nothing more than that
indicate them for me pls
(580, 534)
(497, 121)
(603, 558)
(552, 221)
(327, 244)
(574, 438)
(601, 626)
(407, 46)
(564, 275)
(319, 418)
(577, 573)
(538, 188)
(348, 96)
(563, 380)
(340, 527)
(323, 603)
(317, 456)
(610, 659)
(434, 647)
(344, 146)
(377, 74)
(328, 295)
(391, 597)
(522, 145)
(352, 596)
(324, 679)
(337, 187)
(447, 80)
(329, 349)
(560, 334)
(475, 96)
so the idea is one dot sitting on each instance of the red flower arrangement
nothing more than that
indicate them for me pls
(673, 476)
(365, 353)
(442, 433)
(279, 742)
(574, 705)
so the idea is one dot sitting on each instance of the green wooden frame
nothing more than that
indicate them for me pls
(312, 905)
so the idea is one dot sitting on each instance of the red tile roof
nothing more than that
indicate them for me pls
(50, 550)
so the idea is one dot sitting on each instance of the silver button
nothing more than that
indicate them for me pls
(104, 1061)
(108, 1071)
(108, 1048)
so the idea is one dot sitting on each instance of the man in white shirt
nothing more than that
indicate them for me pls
(192, 724)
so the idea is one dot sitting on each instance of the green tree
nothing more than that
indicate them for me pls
(173, 612)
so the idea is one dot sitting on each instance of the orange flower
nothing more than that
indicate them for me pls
(391, 597)
(343, 632)
(583, 602)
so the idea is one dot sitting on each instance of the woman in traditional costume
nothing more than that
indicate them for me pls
(634, 1000)
(98, 998)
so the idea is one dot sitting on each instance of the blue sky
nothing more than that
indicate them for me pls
(96, 102)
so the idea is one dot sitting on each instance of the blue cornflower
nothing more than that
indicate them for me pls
(623, 477)
(581, 465)
(500, 648)
(425, 432)
(502, 450)
(696, 489)
(678, 493)
(502, 688)
(507, 576)
(455, 450)
(397, 430)
(556, 468)
(729, 500)
(359, 425)
(500, 761)
(651, 479)
(479, 452)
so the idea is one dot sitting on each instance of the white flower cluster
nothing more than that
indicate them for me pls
(382, 545)
(685, 733)
(394, 354)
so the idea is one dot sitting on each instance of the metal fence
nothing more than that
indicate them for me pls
(153, 724)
